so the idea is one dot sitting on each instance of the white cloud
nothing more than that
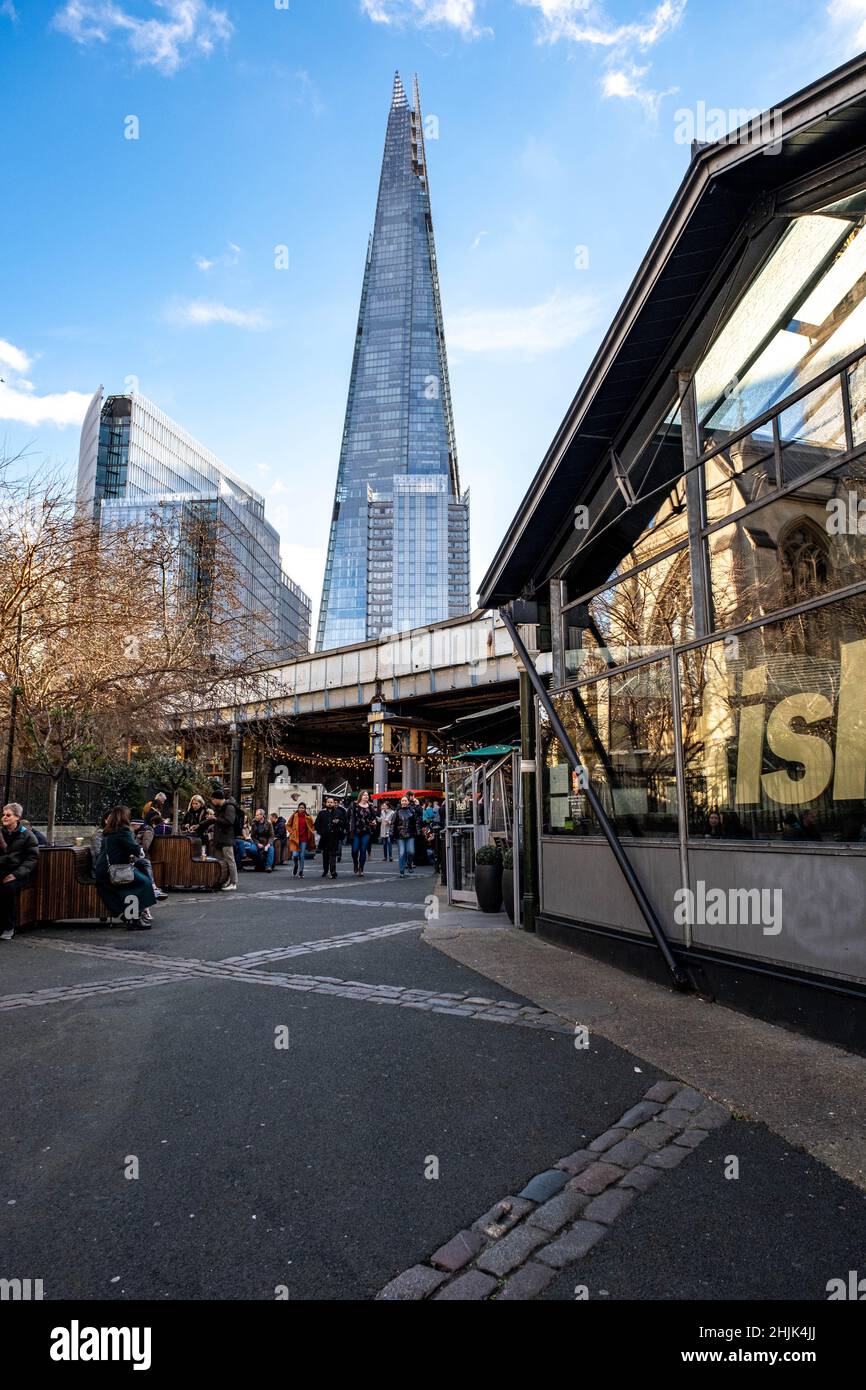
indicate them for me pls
(18, 398)
(201, 312)
(850, 17)
(13, 357)
(455, 14)
(587, 22)
(531, 331)
(8, 11)
(478, 240)
(626, 82)
(229, 257)
(187, 28)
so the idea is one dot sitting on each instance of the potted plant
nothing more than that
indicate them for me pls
(508, 882)
(488, 878)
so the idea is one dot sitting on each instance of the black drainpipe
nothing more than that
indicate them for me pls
(680, 977)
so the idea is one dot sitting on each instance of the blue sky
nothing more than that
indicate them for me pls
(261, 124)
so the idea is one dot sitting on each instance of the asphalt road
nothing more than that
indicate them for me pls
(306, 1166)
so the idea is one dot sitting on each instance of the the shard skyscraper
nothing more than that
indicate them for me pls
(398, 552)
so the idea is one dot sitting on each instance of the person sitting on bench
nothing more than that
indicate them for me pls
(19, 854)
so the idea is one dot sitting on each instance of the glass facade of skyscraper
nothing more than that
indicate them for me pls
(135, 463)
(398, 552)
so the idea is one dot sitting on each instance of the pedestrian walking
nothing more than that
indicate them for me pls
(330, 827)
(224, 834)
(387, 822)
(406, 826)
(19, 855)
(302, 838)
(362, 823)
(121, 878)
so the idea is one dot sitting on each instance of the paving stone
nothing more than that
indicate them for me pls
(663, 1091)
(458, 1251)
(496, 1222)
(509, 1252)
(641, 1179)
(576, 1162)
(414, 1283)
(677, 1119)
(690, 1138)
(654, 1134)
(572, 1245)
(595, 1179)
(607, 1140)
(638, 1114)
(609, 1205)
(527, 1282)
(556, 1213)
(669, 1157)
(628, 1153)
(689, 1099)
(712, 1116)
(545, 1185)
(471, 1286)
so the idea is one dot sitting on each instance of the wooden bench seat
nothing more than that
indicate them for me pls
(177, 864)
(61, 888)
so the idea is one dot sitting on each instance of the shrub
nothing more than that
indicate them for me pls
(488, 854)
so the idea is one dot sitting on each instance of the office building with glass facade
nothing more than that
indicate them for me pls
(398, 550)
(135, 464)
(695, 548)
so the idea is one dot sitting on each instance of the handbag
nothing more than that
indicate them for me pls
(121, 873)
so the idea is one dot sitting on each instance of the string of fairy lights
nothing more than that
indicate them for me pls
(433, 762)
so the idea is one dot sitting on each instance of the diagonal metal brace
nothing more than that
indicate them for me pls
(679, 976)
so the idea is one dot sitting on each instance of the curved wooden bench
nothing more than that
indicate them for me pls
(177, 864)
(61, 888)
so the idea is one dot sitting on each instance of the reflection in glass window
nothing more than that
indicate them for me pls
(804, 311)
(635, 617)
(799, 547)
(623, 729)
(774, 729)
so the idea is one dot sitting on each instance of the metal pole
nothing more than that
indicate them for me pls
(679, 975)
(13, 714)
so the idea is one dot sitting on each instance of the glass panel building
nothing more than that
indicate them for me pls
(398, 550)
(695, 544)
(136, 464)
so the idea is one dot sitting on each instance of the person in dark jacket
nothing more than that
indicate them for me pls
(406, 826)
(281, 837)
(262, 836)
(363, 821)
(159, 803)
(119, 846)
(330, 827)
(193, 816)
(19, 854)
(223, 834)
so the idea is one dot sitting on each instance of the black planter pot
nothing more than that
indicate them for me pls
(488, 886)
(508, 892)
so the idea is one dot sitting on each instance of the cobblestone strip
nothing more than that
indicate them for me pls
(460, 1004)
(86, 948)
(69, 993)
(518, 1247)
(325, 943)
(300, 895)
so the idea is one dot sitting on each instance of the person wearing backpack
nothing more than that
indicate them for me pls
(225, 831)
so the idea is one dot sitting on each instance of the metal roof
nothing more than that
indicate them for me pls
(823, 123)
